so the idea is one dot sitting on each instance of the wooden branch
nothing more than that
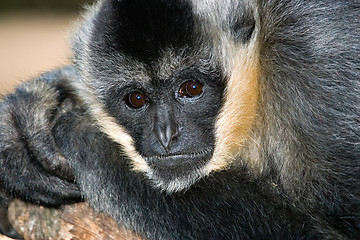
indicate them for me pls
(4, 238)
(75, 222)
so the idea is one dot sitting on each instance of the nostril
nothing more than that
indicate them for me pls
(165, 137)
(175, 134)
(165, 127)
(166, 131)
(166, 134)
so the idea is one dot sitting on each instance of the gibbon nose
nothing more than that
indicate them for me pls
(165, 128)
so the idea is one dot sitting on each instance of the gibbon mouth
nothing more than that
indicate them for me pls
(180, 160)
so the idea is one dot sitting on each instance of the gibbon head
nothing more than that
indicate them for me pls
(173, 82)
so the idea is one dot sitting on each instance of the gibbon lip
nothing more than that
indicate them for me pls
(192, 154)
(180, 158)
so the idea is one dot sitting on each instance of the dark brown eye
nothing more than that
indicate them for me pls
(135, 99)
(190, 89)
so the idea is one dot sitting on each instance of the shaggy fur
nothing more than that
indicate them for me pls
(269, 150)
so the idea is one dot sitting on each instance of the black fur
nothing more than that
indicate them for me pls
(28, 147)
(141, 28)
(32, 168)
(225, 205)
(307, 131)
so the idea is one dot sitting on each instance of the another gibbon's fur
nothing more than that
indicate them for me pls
(264, 144)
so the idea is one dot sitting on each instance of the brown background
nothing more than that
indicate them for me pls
(34, 37)
(31, 43)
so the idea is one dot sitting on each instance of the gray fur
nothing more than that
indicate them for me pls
(304, 141)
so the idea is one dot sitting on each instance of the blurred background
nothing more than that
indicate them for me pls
(34, 37)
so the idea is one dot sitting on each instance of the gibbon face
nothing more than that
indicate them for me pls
(156, 81)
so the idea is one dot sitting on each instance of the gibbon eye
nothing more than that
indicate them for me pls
(136, 99)
(190, 89)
